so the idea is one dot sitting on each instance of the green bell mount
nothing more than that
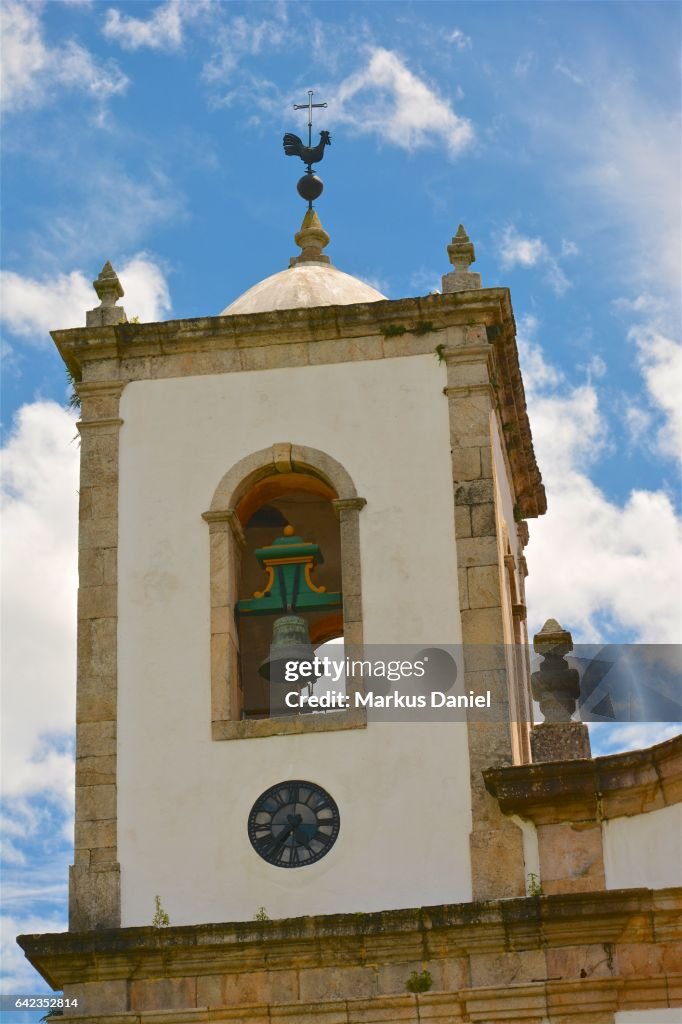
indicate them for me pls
(289, 562)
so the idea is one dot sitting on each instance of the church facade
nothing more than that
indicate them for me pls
(320, 454)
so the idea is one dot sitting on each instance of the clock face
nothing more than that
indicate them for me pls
(293, 824)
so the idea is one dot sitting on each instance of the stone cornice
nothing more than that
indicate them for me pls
(100, 388)
(510, 401)
(77, 345)
(628, 915)
(597, 789)
(112, 421)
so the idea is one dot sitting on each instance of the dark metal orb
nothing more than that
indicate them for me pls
(310, 187)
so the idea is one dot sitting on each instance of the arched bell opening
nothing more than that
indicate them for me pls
(301, 487)
(290, 566)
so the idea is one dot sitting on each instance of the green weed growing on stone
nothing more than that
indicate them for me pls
(161, 918)
(74, 400)
(419, 981)
(534, 885)
(424, 327)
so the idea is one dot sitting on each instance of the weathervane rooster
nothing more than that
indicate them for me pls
(293, 146)
(310, 186)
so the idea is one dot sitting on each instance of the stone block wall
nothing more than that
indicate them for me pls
(575, 959)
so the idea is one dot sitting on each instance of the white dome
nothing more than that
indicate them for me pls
(308, 283)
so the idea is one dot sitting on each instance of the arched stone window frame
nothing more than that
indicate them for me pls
(225, 519)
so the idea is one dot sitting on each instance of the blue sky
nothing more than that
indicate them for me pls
(150, 134)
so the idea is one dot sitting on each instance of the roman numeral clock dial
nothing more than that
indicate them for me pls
(293, 824)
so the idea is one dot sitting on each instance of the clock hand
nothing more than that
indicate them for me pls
(285, 833)
(283, 836)
(300, 836)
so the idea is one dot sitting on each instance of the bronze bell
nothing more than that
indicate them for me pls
(290, 643)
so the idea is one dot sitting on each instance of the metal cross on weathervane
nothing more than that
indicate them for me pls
(310, 186)
(310, 105)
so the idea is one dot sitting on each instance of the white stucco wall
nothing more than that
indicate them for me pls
(667, 1015)
(644, 850)
(402, 789)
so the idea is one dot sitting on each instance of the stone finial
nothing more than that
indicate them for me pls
(461, 254)
(461, 250)
(557, 688)
(312, 239)
(552, 639)
(109, 291)
(555, 685)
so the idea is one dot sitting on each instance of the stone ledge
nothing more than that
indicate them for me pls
(78, 345)
(500, 926)
(585, 1001)
(258, 728)
(597, 789)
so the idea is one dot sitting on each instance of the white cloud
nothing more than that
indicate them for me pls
(568, 72)
(425, 282)
(146, 291)
(77, 69)
(18, 975)
(458, 39)
(40, 514)
(556, 278)
(246, 36)
(621, 155)
(389, 101)
(523, 64)
(592, 560)
(660, 362)
(163, 30)
(32, 71)
(31, 308)
(132, 208)
(596, 367)
(638, 422)
(654, 420)
(645, 304)
(519, 250)
(537, 372)
(9, 853)
(606, 738)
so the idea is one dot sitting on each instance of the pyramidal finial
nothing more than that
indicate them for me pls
(462, 254)
(461, 250)
(108, 286)
(312, 239)
(553, 638)
(552, 626)
(109, 291)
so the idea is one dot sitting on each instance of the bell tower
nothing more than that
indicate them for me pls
(321, 455)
